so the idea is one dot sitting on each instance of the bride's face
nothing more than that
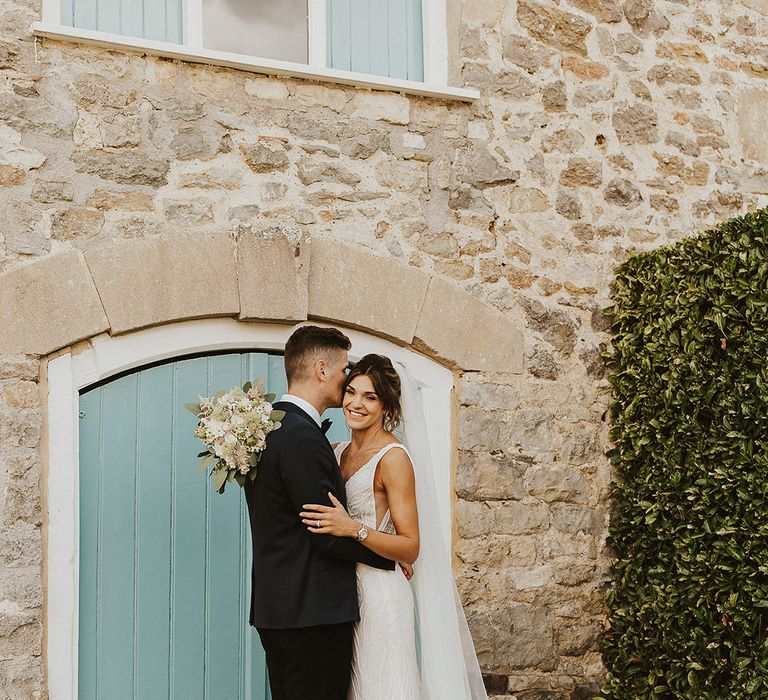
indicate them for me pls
(362, 406)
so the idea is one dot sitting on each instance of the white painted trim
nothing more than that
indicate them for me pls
(254, 65)
(192, 23)
(316, 31)
(62, 530)
(435, 24)
(108, 356)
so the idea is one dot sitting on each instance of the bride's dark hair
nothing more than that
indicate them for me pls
(386, 384)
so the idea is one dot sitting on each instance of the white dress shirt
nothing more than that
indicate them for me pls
(304, 405)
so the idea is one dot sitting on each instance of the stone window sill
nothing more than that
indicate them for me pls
(248, 63)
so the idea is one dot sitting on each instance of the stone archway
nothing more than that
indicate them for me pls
(123, 286)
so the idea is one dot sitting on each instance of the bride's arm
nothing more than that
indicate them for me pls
(395, 474)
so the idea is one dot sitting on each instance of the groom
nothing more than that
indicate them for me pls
(304, 590)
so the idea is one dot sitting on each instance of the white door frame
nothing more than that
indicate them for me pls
(107, 356)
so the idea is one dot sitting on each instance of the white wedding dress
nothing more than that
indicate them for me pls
(384, 662)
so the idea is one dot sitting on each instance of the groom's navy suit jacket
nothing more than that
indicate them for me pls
(300, 579)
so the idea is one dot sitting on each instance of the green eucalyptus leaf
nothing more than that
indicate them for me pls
(204, 463)
(219, 478)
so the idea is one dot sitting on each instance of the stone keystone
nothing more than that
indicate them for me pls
(349, 285)
(273, 274)
(50, 303)
(468, 333)
(145, 283)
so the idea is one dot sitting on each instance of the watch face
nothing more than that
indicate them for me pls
(363, 533)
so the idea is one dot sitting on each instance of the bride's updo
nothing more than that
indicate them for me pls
(386, 383)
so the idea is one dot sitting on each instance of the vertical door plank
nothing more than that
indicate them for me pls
(224, 561)
(90, 487)
(189, 497)
(117, 526)
(278, 384)
(270, 369)
(153, 534)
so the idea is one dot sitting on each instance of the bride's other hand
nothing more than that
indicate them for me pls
(329, 520)
(407, 570)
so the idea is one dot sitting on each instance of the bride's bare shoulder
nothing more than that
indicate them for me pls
(396, 460)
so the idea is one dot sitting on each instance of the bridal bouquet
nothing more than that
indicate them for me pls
(234, 425)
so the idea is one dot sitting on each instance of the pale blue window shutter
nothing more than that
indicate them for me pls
(377, 37)
(150, 19)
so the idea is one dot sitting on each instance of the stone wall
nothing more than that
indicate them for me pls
(604, 127)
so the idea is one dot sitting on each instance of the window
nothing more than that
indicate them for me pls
(374, 37)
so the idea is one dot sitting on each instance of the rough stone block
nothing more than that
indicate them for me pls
(19, 367)
(468, 333)
(273, 273)
(486, 476)
(266, 89)
(563, 30)
(385, 106)
(20, 545)
(553, 484)
(23, 677)
(514, 637)
(753, 124)
(316, 95)
(53, 302)
(145, 283)
(519, 519)
(351, 286)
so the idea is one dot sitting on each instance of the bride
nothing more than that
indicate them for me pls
(412, 641)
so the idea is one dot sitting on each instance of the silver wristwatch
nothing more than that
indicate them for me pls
(362, 533)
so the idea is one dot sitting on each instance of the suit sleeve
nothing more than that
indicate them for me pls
(307, 465)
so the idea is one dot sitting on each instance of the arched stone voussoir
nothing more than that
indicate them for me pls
(150, 282)
(273, 274)
(353, 286)
(49, 304)
(468, 333)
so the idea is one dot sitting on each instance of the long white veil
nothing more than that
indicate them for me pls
(447, 659)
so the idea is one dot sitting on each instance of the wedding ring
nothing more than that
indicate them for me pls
(317, 523)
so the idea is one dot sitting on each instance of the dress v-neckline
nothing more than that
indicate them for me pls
(363, 466)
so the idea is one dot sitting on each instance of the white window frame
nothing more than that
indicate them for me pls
(106, 356)
(435, 43)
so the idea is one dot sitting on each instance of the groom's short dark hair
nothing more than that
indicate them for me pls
(307, 344)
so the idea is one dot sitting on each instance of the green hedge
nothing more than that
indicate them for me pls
(689, 369)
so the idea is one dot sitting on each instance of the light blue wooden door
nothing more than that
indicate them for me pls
(164, 560)
(380, 37)
(151, 19)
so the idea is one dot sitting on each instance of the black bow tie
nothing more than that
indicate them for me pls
(326, 425)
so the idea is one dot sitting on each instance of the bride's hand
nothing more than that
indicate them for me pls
(329, 520)
(407, 570)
